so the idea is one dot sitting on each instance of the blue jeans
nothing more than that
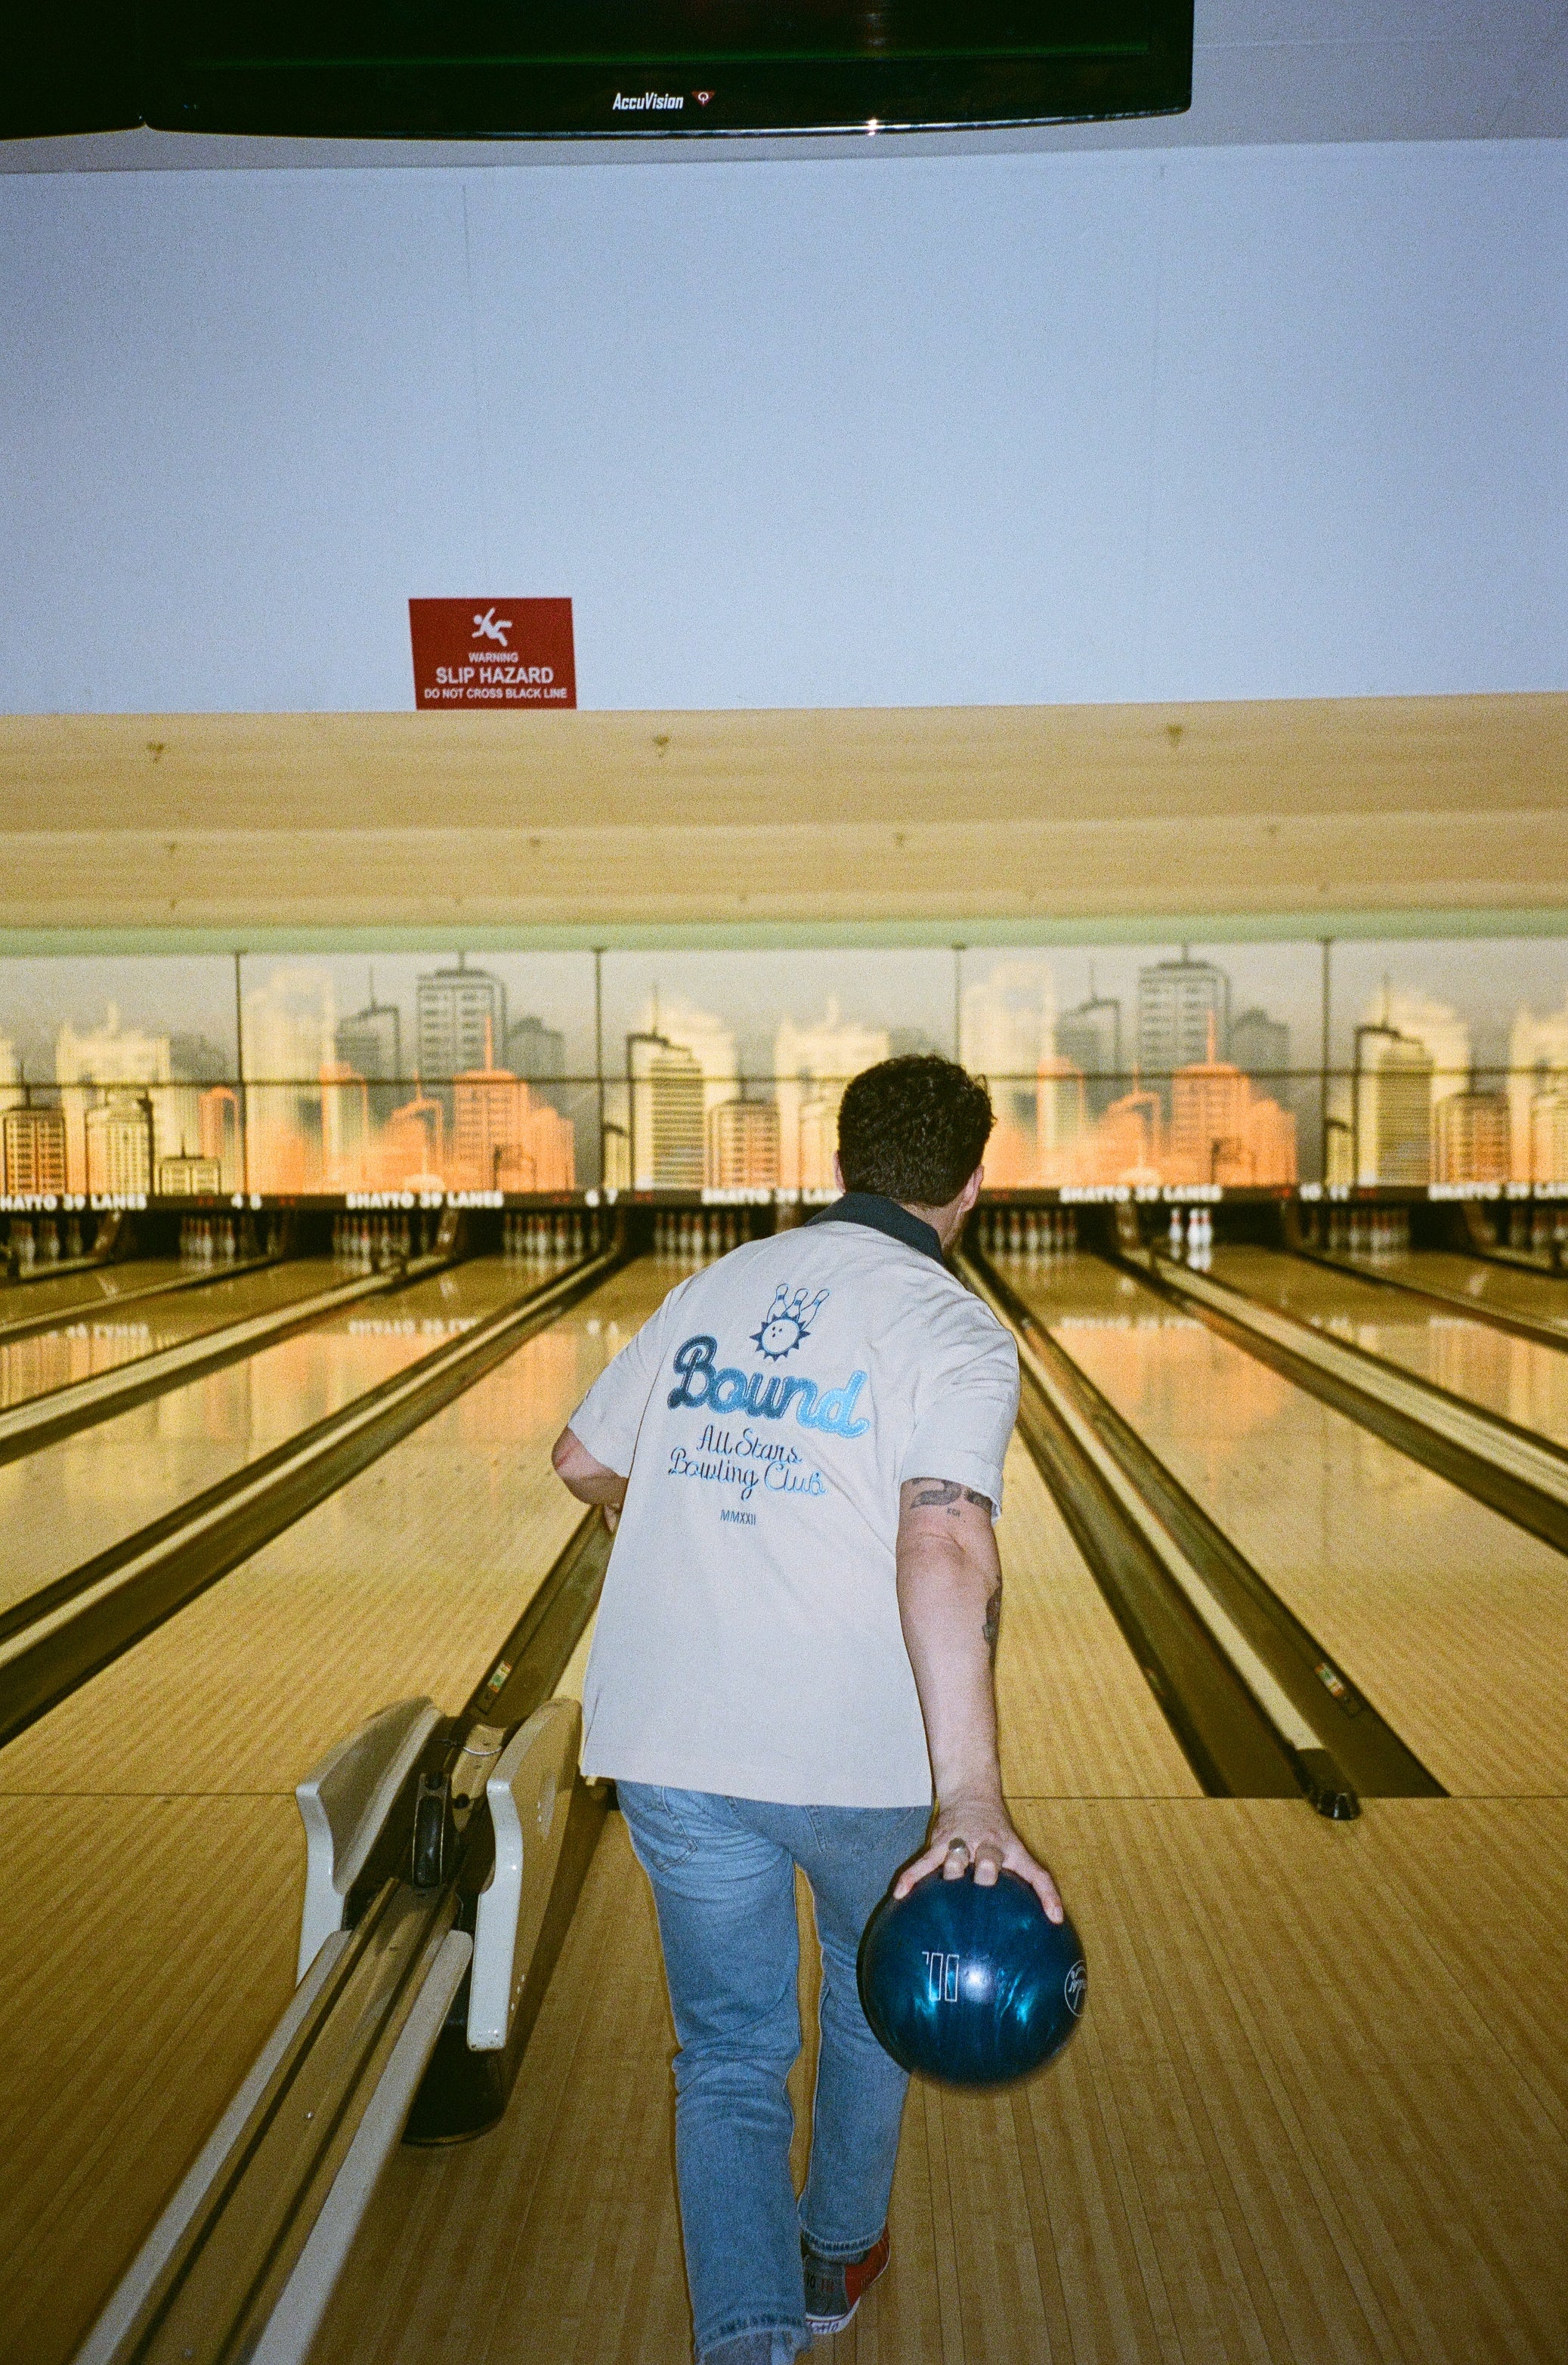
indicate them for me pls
(724, 1878)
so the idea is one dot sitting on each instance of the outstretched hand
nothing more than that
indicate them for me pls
(978, 1831)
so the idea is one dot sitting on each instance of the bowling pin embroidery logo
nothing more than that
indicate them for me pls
(1074, 1988)
(787, 1322)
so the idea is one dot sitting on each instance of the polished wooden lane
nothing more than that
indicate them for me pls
(1315, 2116)
(1318, 2111)
(1510, 1288)
(405, 1580)
(70, 1500)
(70, 1293)
(161, 1893)
(1078, 1720)
(1453, 1621)
(1523, 1381)
(99, 1339)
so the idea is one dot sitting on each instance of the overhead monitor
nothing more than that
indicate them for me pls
(650, 69)
(67, 68)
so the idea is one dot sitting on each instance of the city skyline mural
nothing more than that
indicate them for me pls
(1111, 1067)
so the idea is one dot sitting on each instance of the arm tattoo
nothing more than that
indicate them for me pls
(993, 1626)
(943, 1495)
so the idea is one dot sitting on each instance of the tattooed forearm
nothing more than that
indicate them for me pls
(993, 1626)
(945, 1495)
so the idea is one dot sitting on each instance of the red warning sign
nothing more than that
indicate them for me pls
(505, 654)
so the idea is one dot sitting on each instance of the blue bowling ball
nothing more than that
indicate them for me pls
(975, 1986)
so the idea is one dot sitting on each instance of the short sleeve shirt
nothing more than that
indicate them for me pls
(748, 1639)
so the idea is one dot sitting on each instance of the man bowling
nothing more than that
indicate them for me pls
(795, 1644)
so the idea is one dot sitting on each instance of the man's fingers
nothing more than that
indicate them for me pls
(954, 1855)
(918, 1870)
(1043, 1887)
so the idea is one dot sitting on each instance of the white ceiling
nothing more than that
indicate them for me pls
(1264, 72)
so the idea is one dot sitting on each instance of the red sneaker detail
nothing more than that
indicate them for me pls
(834, 2287)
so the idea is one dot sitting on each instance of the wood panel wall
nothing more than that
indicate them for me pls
(1017, 813)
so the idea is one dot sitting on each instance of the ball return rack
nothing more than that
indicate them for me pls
(443, 1858)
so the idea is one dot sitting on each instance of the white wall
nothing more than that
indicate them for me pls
(1217, 424)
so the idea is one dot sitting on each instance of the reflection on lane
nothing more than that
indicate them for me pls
(1506, 1287)
(1451, 1621)
(1524, 1382)
(406, 1580)
(68, 1292)
(99, 1339)
(60, 1506)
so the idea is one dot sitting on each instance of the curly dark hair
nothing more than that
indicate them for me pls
(914, 1128)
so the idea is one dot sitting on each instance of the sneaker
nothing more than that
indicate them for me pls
(834, 2287)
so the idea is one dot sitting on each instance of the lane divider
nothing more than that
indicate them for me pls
(1373, 1756)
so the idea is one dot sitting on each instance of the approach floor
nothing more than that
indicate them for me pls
(95, 1339)
(1523, 1380)
(148, 1825)
(1315, 2115)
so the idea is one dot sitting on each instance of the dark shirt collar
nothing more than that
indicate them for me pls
(882, 1215)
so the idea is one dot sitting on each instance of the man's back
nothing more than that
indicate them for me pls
(749, 1641)
(795, 1646)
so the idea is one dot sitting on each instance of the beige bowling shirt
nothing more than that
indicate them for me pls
(748, 1639)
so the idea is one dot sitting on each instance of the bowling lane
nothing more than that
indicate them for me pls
(100, 1339)
(1508, 1288)
(154, 1912)
(1525, 1382)
(59, 1506)
(71, 1293)
(1451, 1621)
